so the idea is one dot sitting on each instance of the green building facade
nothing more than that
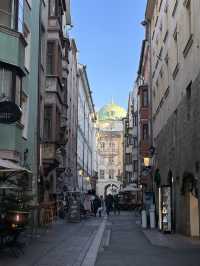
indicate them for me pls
(22, 50)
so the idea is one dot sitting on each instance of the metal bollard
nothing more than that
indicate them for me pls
(152, 218)
(144, 219)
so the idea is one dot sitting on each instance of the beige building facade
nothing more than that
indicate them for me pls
(174, 34)
(110, 149)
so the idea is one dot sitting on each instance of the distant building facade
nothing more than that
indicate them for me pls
(144, 116)
(86, 148)
(130, 143)
(71, 177)
(110, 149)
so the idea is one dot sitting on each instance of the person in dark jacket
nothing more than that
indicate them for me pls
(96, 205)
(108, 203)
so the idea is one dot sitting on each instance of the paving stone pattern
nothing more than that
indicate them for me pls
(64, 244)
(129, 246)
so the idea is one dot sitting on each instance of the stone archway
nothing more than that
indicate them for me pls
(111, 189)
(104, 185)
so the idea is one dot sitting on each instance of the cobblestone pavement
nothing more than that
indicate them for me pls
(64, 244)
(130, 246)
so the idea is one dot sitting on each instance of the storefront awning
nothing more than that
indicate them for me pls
(8, 166)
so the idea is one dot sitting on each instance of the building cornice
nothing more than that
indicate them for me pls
(149, 9)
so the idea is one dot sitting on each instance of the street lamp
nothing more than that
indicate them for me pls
(146, 161)
(148, 166)
(87, 178)
(80, 172)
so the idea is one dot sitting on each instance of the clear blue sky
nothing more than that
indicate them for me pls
(108, 34)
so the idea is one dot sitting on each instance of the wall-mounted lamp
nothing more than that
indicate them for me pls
(80, 172)
(87, 178)
(146, 161)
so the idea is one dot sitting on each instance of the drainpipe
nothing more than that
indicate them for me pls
(39, 103)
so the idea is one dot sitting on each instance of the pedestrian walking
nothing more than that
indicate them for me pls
(87, 204)
(116, 207)
(96, 205)
(108, 203)
(101, 206)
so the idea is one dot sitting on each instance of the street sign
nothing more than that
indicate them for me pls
(9, 112)
(69, 172)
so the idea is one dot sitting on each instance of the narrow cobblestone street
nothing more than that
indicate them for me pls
(129, 246)
(64, 244)
(123, 243)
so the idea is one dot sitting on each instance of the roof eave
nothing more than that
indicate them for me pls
(149, 9)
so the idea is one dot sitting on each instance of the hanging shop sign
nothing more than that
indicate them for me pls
(166, 209)
(74, 208)
(9, 112)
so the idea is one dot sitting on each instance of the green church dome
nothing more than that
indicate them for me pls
(111, 111)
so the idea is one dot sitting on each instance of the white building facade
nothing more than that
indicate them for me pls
(86, 135)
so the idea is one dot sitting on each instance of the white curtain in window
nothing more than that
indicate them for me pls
(6, 15)
(52, 7)
(5, 84)
(18, 90)
(20, 15)
(24, 118)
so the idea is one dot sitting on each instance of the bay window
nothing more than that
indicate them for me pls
(50, 57)
(55, 8)
(145, 98)
(48, 123)
(12, 14)
(145, 132)
(10, 85)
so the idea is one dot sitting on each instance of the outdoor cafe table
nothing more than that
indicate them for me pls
(9, 238)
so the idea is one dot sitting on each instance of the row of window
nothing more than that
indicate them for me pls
(128, 158)
(49, 126)
(11, 90)
(144, 98)
(130, 140)
(110, 160)
(145, 132)
(12, 14)
(187, 26)
(54, 58)
(110, 145)
(10, 84)
(111, 173)
(161, 90)
(128, 174)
